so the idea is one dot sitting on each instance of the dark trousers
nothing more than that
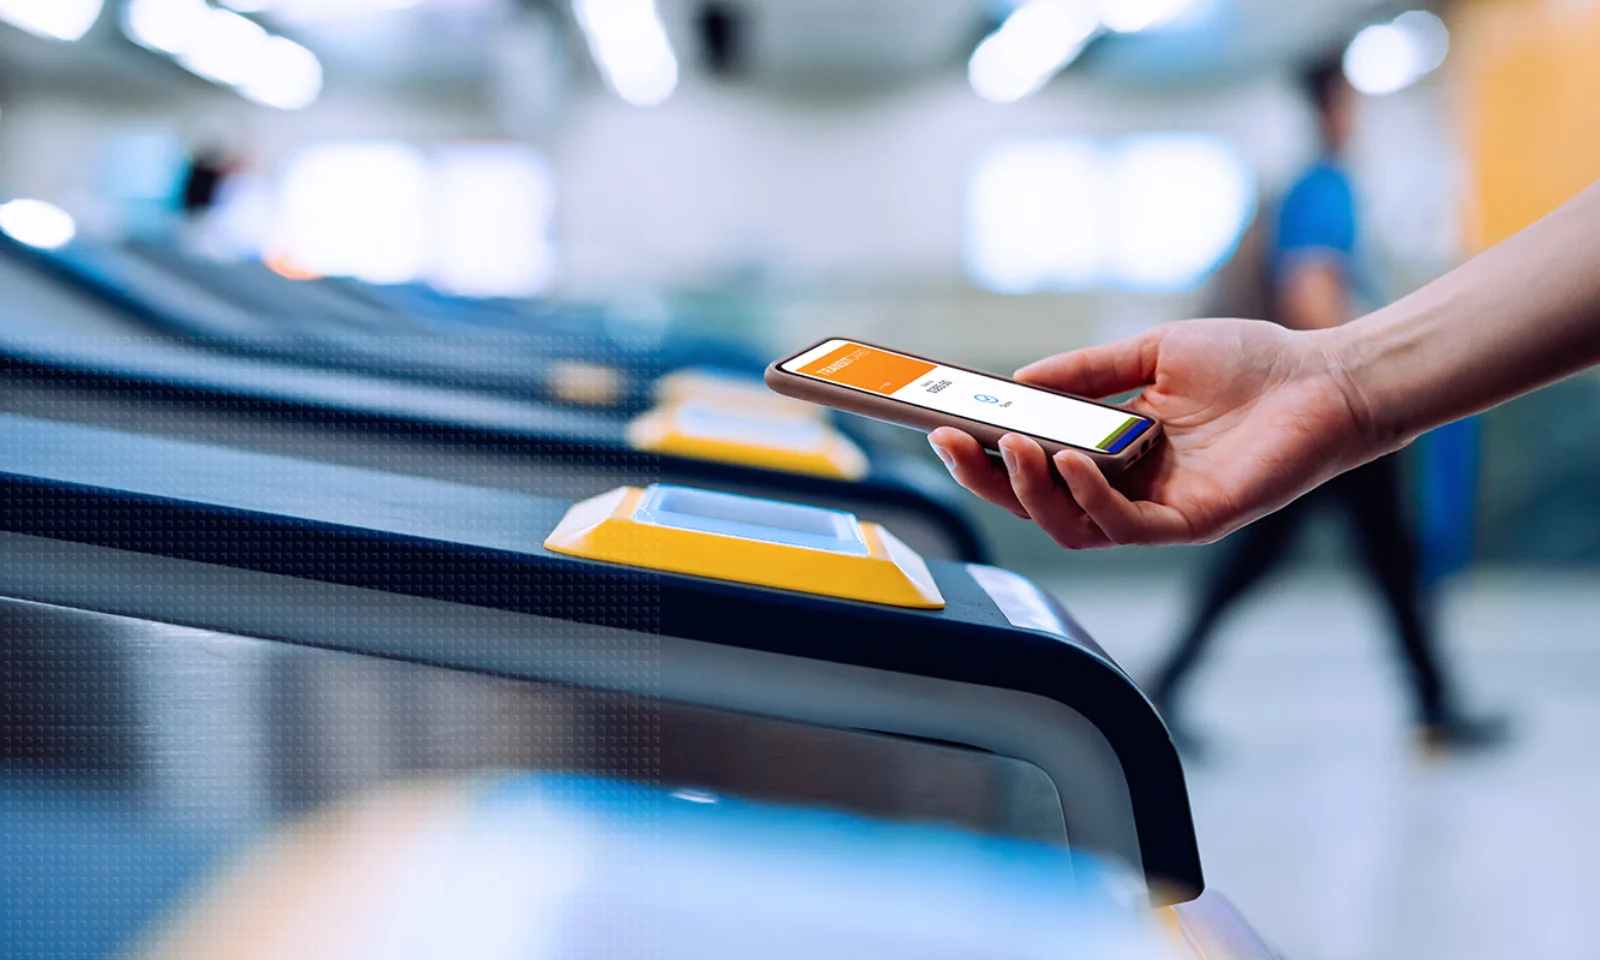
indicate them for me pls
(1369, 500)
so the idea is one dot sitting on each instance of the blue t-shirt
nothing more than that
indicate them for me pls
(1317, 220)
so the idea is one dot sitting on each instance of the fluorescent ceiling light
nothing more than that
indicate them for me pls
(630, 46)
(167, 26)
(1429, 37)
(52, 19)
(320, 10)
(1034, 43)
(1380, 60)
(287, 76)
(1391, 56)
(1133, 16)
(229, 49)
(37, 224)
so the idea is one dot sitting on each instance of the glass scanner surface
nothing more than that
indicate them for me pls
(750, 518)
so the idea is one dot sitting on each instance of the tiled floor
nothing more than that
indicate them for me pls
(1319, 818)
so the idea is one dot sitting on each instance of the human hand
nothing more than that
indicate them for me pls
(1254, 415)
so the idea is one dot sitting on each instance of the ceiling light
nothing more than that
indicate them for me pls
(286, 76)
(321, 10)
(1392, 56)
(1429, 36)
(168, 26)
(1133, 16)
(630, 46)
(1380, 60)
(1034, 43)
(227, 48)
(37, 224)
(53, 19)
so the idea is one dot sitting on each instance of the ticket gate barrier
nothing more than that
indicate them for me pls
(168, 517)
(233, 561)
(562, 354)
(556, 354)
(69, 357)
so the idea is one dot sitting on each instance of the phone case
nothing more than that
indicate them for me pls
(884, 408)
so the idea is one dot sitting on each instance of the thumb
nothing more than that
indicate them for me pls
(1098, 371)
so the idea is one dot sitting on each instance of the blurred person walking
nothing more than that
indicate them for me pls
(1299, 266)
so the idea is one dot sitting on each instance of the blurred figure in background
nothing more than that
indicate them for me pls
(207, 170)
(222, 206)
(1299, 265)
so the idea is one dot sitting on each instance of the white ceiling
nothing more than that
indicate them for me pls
(875, 41)
(855, 45)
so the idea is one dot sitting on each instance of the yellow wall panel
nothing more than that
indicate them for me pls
(1529, 76)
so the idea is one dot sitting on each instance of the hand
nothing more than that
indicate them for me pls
(1254, 415)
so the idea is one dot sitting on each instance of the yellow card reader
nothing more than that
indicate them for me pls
(703, 430)
(765, 543)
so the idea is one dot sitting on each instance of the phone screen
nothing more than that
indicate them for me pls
(1008, 405)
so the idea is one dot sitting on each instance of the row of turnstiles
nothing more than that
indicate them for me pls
(340, 620)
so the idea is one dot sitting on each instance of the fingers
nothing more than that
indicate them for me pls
(1046, 501)
(1098, 371)
(974, 469)
(1120, 520)
(1087, 514)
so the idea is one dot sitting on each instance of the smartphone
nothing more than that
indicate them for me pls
(924, 394)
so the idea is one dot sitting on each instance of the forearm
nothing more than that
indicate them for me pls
(1313, 297)
(1519, 316)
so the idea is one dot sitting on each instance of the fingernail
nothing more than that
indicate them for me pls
(1009, 458)
(949, 461)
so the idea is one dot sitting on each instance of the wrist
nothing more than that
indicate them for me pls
(1360, 364)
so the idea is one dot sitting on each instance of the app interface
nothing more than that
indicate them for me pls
(1010, 406)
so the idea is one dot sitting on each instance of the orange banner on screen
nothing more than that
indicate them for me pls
(856, 366)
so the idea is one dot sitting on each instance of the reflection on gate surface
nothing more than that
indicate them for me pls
(135, 754)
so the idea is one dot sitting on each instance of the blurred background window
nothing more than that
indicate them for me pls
(1179, 205)
(1037, 220)
(473, 219)
(1152, 212)
(358, 210)
(494, 210)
